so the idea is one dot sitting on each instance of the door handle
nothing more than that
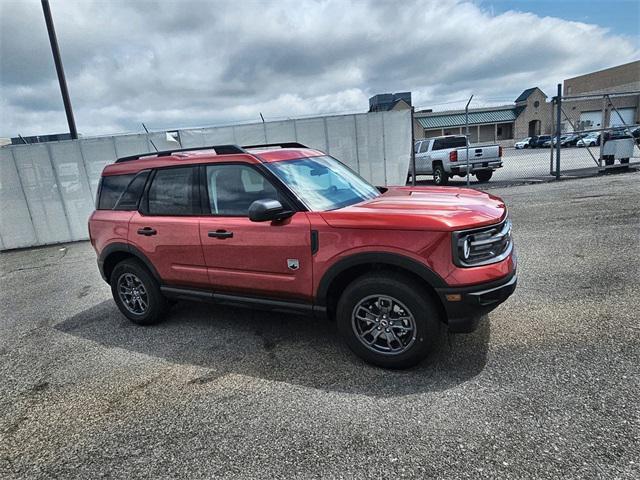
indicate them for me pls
(147, 231)
(221, 234)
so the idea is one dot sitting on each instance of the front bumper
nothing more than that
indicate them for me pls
(465, 305)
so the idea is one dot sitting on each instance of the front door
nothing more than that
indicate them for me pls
(166, 227)
(269, 259)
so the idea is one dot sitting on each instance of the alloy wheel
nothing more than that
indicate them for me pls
(133, 293)
(384, 325)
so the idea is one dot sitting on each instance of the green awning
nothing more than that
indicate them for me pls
(475, 118)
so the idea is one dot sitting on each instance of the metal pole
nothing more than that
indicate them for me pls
(558, 130)
(466, 123)
(413, 149)
(148, 138)
(602, 126)
(553, 129)
(55, 50)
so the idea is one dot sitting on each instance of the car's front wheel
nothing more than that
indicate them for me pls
(388, 320)
(137, 293)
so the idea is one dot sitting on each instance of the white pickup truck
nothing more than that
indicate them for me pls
(445, 157)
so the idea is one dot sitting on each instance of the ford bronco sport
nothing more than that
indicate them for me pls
(289, 228)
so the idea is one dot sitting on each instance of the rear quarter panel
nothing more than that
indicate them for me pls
(108, 226)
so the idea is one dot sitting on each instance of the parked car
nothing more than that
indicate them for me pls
(446, 156)
(571, 140)
(289, 228)
(590, 140)
(538, 141)
(524, 143)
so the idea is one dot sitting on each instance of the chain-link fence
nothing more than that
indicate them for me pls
(538, 139)
(597, 132)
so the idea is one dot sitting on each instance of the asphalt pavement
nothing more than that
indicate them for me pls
(546, 388)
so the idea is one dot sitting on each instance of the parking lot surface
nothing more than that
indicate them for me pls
(546, 388)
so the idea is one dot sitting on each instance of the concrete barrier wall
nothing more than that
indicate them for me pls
(47, 190)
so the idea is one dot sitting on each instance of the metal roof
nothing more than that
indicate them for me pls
(475, 118)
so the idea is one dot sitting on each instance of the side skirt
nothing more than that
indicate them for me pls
(261, 303)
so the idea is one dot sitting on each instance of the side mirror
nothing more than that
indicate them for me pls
(268, 210)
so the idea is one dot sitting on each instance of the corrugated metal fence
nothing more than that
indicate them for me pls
(47, 190)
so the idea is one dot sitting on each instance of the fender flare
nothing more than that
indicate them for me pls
(393, 259)
(131, 250)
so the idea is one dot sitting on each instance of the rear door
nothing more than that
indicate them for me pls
(166, 226)
(269, 259)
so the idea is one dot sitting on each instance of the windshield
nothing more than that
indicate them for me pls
(323, 183)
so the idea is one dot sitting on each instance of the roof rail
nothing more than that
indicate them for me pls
(281, 145)
(220, 150)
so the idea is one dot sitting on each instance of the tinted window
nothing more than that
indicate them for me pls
(232, 188)
(174, 192)
(424, 147)
(111, 187)
(130, 197)
(453, 142)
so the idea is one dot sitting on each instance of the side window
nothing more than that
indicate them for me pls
(174, 191)
(131, 196)
(111, 187)
(437, 145)
(416, 148)
(232, 188)
(424, 147)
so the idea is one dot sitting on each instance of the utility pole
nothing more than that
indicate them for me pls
(55, 50)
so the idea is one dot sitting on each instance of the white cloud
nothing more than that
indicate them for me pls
(185, 63)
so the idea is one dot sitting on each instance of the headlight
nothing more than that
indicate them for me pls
(482, 246)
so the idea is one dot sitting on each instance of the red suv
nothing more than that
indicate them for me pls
(289, 228)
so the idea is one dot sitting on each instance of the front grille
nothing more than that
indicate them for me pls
(482, 246)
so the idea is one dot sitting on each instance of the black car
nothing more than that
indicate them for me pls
(539, 141)
(571, 140)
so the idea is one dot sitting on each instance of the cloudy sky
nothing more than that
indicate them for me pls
(195, 63)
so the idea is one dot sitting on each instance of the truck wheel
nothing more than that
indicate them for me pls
(624, 161)
(388, 319)
(609, 160)
(440, 177)
(484, 175)
(136, 293)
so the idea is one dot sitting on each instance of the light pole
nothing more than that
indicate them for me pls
(55, 50)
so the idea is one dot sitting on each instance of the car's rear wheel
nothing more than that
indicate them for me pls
(137, 293)
(484, 175)
(388, 320)
(440, 177)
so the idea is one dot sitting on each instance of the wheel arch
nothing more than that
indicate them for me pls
(344, 271)
(114, 253)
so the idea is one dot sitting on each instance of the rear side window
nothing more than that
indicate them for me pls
(453, 142)
(174, 191)
(131, 196)
(424, 147)
(111, 187)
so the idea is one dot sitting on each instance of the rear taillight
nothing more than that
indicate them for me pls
(499, 151)
(453, 156)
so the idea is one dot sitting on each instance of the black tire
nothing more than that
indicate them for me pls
(156, 303)
(440, 177)
(609, 160)
(624, 161)
(484, 175)
(407, 293)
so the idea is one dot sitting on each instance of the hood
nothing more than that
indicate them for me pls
(421, 208)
